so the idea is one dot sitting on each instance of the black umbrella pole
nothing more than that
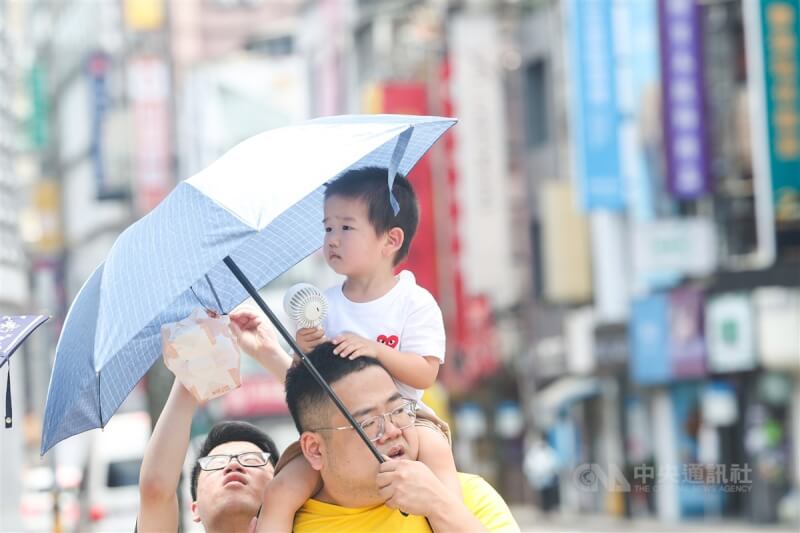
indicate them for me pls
(308, 364)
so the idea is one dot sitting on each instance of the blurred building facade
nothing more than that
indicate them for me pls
(666, 348)
(13, 265)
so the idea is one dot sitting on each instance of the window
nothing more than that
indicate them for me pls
(537, 103)
(124, 473)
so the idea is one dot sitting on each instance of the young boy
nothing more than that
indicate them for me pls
(374, 313)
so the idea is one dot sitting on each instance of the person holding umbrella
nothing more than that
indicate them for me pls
(225, 497)
(357, 493)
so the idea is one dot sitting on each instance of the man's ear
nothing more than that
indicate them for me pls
(313, 448)
(394, 240)
(195, 514)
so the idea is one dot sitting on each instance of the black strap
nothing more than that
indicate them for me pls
(8, 397)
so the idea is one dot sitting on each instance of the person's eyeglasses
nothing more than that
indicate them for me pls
(401, 417)
(218, 462)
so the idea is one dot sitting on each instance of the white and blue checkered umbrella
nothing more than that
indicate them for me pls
(260, 204)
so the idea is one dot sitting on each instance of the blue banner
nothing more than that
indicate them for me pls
(649, 337)
(595, 114)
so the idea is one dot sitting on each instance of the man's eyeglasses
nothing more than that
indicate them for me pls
(401, 417)
(218, 462)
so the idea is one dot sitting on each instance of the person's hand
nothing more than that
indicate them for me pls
(254, 333)
(352, 346)
(309, 338)
(411, 487)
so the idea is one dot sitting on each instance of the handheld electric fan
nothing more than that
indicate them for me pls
(306, 305)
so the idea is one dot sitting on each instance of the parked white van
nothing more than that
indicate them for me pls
(112, 476)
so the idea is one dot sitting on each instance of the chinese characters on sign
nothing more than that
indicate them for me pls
(681, 63)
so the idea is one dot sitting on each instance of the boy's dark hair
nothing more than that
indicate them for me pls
(308, 402)
(370, 185)
(230, 431)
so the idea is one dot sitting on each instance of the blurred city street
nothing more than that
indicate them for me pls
(611, 231)
(532, 521)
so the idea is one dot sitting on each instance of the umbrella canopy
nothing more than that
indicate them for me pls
(260, 204)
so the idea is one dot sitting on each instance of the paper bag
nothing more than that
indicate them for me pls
(203, 354)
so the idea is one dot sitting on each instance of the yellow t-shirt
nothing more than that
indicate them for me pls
(479, 497)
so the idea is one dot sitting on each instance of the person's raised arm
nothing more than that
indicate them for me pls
(258, 338)
(163, 461)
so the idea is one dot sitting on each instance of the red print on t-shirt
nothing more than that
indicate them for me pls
(391, 341)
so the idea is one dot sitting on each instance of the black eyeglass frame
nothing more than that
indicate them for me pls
(204, 461)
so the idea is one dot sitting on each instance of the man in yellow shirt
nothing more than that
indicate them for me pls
(357, 493)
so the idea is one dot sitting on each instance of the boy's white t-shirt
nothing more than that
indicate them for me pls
(406, 318)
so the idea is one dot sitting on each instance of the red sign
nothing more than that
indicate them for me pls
(472, 345)
(148, 85)
(411, 99)
(260, 395)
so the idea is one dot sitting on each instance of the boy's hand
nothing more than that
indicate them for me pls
(352, 346)
(309, 338)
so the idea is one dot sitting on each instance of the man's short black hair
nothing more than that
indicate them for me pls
(370, 185)
(232, 431)
(308, 402)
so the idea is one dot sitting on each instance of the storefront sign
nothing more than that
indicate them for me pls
(649, 337)
(683, 100)
(687, 343)
(595, 115)
(566, 255)
(611, 347)
(778, 327)
(149, 89)
(684, 246)
(781, 19)
(729, 333)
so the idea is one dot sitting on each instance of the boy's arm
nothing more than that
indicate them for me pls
(163, 461)
(418, 371)
(435, 452)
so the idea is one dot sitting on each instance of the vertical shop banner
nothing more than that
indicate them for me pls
(472, 343)
(683, 98)
(638, 78)
(38, 119)
(730, 323)
(780, 61)
(566, 261)
(411, 99)
(595, 115)
(481, 157)
(98, 65)
(649, 338)
(149, 89)
(695, 495)
(687, 344)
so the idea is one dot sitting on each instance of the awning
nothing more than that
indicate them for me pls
(563, 392)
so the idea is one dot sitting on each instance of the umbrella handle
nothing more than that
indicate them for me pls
(308, 364)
